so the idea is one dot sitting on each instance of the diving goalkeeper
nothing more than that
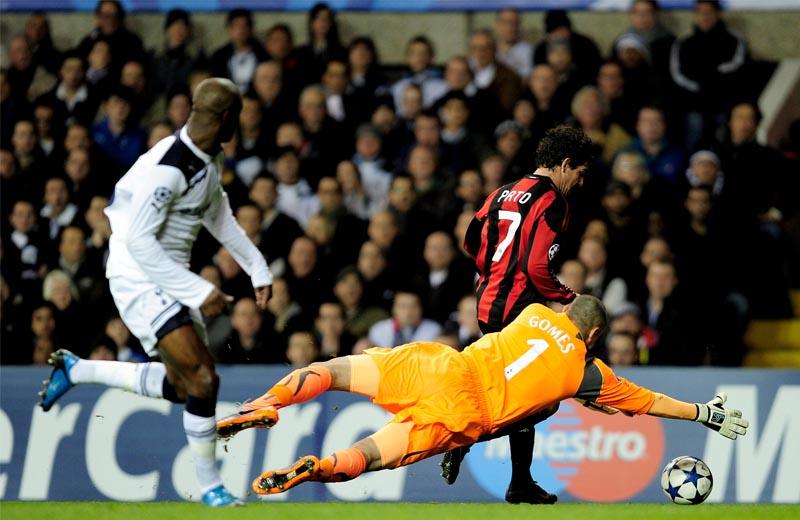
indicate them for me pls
(443, 399)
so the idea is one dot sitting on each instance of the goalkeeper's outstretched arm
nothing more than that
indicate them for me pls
(667, 407)
(727, 421)
(604, 391)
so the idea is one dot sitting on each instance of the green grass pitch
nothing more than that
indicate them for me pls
(386, 511)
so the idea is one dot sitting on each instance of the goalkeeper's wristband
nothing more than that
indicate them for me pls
(702, 412)
(712, 417)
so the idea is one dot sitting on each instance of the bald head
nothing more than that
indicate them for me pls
(588, 314)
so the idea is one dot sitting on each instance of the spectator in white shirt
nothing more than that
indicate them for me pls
(354, 194)
(491, 75)
(24, 249)
(512, 51)
(374, 177)
(419, 58)
(239, 58)
(70, 98)
(295, 196)
(612, 290)
(334, 82)
(58, 212)
(406, 324)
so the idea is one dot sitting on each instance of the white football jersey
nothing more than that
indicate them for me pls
(156, 212)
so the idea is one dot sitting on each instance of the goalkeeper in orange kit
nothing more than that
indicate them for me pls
(443, 399)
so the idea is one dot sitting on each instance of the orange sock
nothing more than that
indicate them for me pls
(299, 386)
(342, 466)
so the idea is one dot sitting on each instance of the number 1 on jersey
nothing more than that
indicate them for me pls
(538, 346)
(515, 219)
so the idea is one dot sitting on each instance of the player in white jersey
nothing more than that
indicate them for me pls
(156, 212)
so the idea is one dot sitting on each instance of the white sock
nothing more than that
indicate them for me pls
(201, 432)
(145, 379)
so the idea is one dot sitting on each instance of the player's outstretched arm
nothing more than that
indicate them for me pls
(602, 388)
(713, 414)
(222, 225)
(669, 408)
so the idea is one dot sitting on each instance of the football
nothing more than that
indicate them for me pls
(686, 480)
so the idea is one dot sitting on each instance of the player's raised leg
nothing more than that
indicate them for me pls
(399, 380)
(148, 379)
(150, 315)
(357, 374)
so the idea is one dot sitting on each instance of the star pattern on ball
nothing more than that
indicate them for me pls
(673, 491)
(693, 476)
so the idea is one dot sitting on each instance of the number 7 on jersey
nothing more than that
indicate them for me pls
(515, 219)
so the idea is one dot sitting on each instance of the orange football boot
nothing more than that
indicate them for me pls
(229, 426)
(272, 482)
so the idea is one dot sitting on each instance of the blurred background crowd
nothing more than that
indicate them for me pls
(357, 180)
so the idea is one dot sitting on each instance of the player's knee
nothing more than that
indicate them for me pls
(339, 370)
(204, 381)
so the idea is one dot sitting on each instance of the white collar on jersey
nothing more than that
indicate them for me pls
(184, 136)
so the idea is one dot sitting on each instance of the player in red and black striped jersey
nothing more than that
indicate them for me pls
(513, 240)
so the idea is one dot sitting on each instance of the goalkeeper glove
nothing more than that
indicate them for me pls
(727, 421)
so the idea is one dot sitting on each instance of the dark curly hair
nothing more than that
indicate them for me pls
(564, 142)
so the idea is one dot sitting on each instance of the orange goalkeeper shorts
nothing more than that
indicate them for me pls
(436, 389)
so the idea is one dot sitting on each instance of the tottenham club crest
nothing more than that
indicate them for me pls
(551, 253)
(161, 196)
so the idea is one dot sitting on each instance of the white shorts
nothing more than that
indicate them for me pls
(150, 313)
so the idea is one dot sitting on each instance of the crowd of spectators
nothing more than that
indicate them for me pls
(358, 182)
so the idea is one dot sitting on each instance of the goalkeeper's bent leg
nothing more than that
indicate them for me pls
(355, 374)
(383, 449)
(341, 466)
(299, 386)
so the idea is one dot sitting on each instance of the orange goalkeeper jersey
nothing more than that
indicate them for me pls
(540, 359)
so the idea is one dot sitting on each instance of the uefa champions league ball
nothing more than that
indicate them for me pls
(686, 480)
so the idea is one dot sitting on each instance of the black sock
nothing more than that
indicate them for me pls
(521, 443)
(201, 407)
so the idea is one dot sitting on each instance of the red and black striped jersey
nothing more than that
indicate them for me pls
(513, 241)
